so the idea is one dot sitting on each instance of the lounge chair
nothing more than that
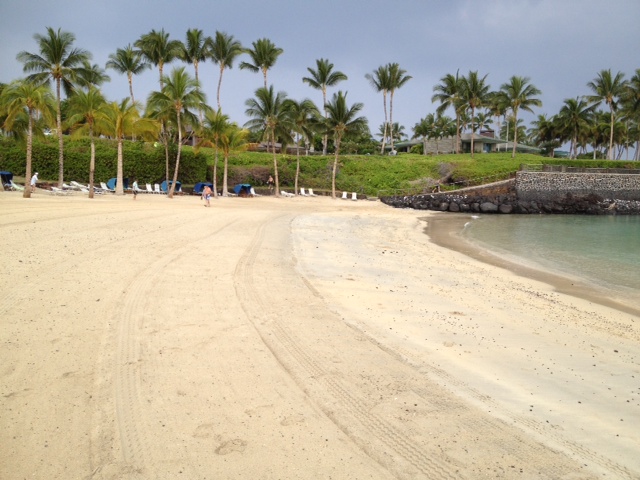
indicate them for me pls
(59, 191)
(105, 188)
(137, 189)
(354, 196)
(156, 189)
(78, 186)
(15, 186)
(311, 194)
(302, 192)
(253, 193)
(149, 188)
(344, 196)
(286, 194)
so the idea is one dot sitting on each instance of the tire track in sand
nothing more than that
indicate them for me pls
(138, 457)
(344, 404)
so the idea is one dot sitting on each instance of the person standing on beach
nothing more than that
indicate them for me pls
(206, 194)
(270, 183)
(34, 180)
(135, 189)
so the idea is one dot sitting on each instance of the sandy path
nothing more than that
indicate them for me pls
(293, 338)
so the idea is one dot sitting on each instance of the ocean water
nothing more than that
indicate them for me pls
(603, 251)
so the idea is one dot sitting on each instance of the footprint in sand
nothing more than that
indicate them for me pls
(292, 420)
(235, 445)
(203, 431)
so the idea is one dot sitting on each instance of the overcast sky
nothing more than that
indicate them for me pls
(560, 44)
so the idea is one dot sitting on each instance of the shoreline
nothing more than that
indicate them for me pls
(445, 231)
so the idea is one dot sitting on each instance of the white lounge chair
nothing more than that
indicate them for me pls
(253, 193)
(311, 194)
(354, 196)
(149, 188)
(59, 191)
(17, 187)
(286, 194)
(156, 189)
(78, 186)
(344, 196)
(302, 192)
(105, 188)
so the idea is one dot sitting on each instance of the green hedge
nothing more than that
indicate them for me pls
(141, 160)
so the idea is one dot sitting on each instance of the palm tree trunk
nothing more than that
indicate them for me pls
(335, 168)
(130, 78)
(325, 137)
(297, 162)
(384, 133)
(610, 155)
(225, 186)
(92, 162)
(27, 184)
(275, 163)
(391, 119)
(473, 114)
(175, 172)
(515, 133)
(60, 141)
(215, 172)
(120, 174)
(220, 83)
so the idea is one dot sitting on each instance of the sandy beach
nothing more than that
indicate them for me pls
(295, 338)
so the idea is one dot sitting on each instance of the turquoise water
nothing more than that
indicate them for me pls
(601, 250)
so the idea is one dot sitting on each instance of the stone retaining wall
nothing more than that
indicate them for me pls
(549, 186)
(538, 192)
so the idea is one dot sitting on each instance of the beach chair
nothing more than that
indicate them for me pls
(302, 192)
(354, 196)
(104, 187)
(344, 196)
(311, 194)
(286, 194)
(15, 186)
(149, 188)
(59, 191)
(253, 193)
(156, 189)
(78, 186)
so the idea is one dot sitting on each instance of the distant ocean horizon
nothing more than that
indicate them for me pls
(602, 251)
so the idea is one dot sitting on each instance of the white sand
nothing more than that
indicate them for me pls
(294, 338)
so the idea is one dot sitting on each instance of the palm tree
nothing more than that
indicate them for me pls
(544, 133)
(158, 49)
(304, 118)
(214, 125)
(195, 50)
(574, 117)
(449, 94)
(320, 79)
(424, 129)
(84, 110)
(631, 106)
(608, 89)
(223, 50)
(497, 106)
(180, 94)
(269, 116)
(342, 120)
(232, 139)
(130, 62)
(120, 120)
(21, 96)
(379, 80)
(264, 56)
(518, 94)
(397, 79)
(474, 94)
(60, 62)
